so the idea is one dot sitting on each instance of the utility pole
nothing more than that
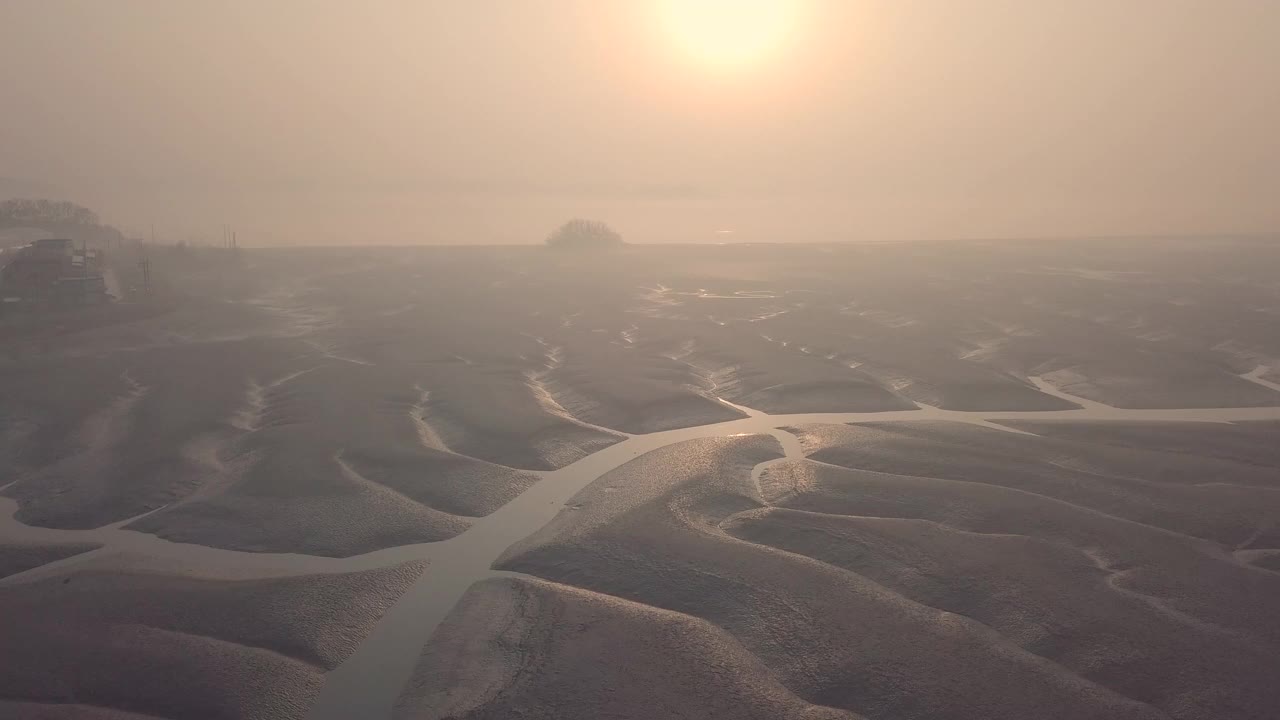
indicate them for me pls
(145, 266)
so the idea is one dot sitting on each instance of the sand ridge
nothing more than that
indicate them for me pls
(347, 420)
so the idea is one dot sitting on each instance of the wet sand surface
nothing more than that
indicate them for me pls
(947, 481)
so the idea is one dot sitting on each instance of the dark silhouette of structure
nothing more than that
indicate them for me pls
(51, 271)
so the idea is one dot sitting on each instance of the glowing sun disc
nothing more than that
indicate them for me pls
(727, 34)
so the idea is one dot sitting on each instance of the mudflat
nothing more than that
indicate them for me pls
(936, 480)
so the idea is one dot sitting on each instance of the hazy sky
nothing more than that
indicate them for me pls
(396, 121)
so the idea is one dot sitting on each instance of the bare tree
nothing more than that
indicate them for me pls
(584, 234)
(59, 218)
(22, 212)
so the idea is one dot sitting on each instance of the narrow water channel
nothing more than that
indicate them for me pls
(370, 681)
(367, 685)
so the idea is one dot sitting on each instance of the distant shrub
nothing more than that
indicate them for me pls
(582, 234)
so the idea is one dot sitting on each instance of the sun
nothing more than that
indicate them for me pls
(730, 34)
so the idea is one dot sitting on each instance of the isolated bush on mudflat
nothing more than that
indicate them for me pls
(584, 234)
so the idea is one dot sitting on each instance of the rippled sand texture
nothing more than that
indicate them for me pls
(1017, 479)
(934, 570)
(120, 638)
(336, 402)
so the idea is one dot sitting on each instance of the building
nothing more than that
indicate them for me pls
(31, 274)
(53, 247)
(51, 271)
(79, 290)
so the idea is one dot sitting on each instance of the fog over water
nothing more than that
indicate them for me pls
(492, 121)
